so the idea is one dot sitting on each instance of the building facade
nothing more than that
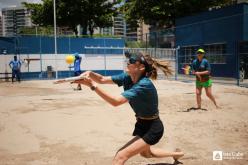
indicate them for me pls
(14, 18)
(1, 26)
(119, 26)
(123, 29)
(223, 33)
(142, 32)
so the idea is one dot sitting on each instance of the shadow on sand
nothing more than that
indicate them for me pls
(175, 163)
(194, 109)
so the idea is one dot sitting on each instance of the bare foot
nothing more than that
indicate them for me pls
(179, 154)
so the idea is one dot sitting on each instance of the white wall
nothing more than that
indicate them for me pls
(89, 62)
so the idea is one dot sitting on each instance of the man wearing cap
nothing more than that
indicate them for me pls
(201, 68)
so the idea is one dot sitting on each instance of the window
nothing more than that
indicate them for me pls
(216, 53)
(188, 54)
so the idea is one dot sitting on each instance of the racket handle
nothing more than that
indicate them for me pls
(69, 79)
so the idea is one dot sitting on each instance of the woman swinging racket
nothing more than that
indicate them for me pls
(141, 94)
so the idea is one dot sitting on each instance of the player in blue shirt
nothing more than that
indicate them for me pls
(77, 68)
(15, 65)
(142, 96)
(201, 68)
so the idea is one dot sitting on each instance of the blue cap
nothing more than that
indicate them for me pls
(76, 54)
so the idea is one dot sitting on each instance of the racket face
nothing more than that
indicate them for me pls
(186, 69)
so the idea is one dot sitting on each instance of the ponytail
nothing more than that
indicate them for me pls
(156, 64)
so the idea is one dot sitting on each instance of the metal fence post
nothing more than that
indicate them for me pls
(238, 63)
(176, 62)
(156, 44)
(105, 65)
(69, 44)
(124, 58)
(40, 59)
(146, 42)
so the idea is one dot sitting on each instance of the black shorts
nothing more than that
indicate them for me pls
(150, 131)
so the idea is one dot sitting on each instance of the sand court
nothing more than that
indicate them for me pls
(43, 123)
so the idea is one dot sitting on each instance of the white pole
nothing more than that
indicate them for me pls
(105, 65)
(40, 59)
(35, 30)
(55, 37)
(176, 62)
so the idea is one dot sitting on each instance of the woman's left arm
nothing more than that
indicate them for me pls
(115, 101)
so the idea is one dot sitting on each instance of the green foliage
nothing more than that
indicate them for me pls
(136, 44)
(162, 13)
(48, 30)
(87, 13)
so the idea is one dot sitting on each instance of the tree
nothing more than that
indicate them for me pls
(87, 13)
(97, 13)
(42, 14)
(163, 13)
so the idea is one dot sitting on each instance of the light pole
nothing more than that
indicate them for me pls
(36, 31)
(55, 37)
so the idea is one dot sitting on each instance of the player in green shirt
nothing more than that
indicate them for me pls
(201, 68)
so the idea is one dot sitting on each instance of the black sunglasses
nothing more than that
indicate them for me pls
(141, 59)
(132, 60)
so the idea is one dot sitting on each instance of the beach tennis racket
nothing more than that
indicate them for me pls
(187, 70)
(69, 79)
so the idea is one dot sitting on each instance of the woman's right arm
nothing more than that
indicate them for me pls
(100, 79)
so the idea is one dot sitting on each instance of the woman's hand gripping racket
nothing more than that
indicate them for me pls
(187, 70)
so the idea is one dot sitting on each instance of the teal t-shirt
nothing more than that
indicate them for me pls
(142, 96)
(199, 66)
